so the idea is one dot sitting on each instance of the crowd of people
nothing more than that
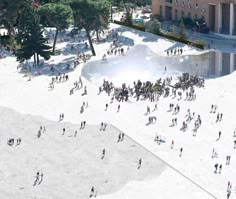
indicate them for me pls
(154, 90)
(60, 78)
(173, 52)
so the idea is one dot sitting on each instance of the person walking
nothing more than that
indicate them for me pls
(220, 169)
(172, 144)
(36, 179)
(219, 135)
(118, 109)
(103, 153)
(106, 107)
(139, 163)
(181, 151)
(92, 192)
(216, 167)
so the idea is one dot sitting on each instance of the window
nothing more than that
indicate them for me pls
(203, 7)
(176, 15)
(183, 3)
(161, 11)
(176, 2)
(189, 15)
(182, 14)
(195, 16)
(189, 4)
(196, 6)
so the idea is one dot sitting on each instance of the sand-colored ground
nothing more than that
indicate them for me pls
(58, 156)
(71, 165)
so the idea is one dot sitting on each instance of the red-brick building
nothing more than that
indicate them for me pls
(219, 15)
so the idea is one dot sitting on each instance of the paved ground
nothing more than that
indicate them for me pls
(213, 41)
(71, 165)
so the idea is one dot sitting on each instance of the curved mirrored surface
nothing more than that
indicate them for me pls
(142, 63)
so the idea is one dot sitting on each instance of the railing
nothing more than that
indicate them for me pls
(223, 31)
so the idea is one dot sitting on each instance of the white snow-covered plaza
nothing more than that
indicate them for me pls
(71, 164)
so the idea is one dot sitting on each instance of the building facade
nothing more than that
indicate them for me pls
(219, 15)
(221, 63)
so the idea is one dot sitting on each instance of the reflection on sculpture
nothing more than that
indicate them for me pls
(142, 63)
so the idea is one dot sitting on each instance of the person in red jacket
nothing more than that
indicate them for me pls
(35, 4)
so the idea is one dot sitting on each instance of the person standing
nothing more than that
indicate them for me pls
(41, 179)
(220, 169)
(219, 135)
(139, 163)
(216, 167)
(36, 178)
(103, 153)
(172, 144)
(164, 70)
(118, 109)
(181, 151)
(92, 192)
(106, 107)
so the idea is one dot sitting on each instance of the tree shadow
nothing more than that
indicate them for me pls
(5, 52)
(122, 40)
(147, 37)
(74, 48)
(126, 41)
(150, 38)
(46, 68)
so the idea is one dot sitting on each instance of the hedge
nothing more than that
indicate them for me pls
(172, 37)
(175, 38)
(5, 40)
(130, 26)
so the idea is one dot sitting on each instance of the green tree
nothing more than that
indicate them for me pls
(31, 39)
(57, 15)
(143, 2)
(9, 13)
(43, 2)
(153, 26)
(89, 15)
(129, 6)
(103, 13)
